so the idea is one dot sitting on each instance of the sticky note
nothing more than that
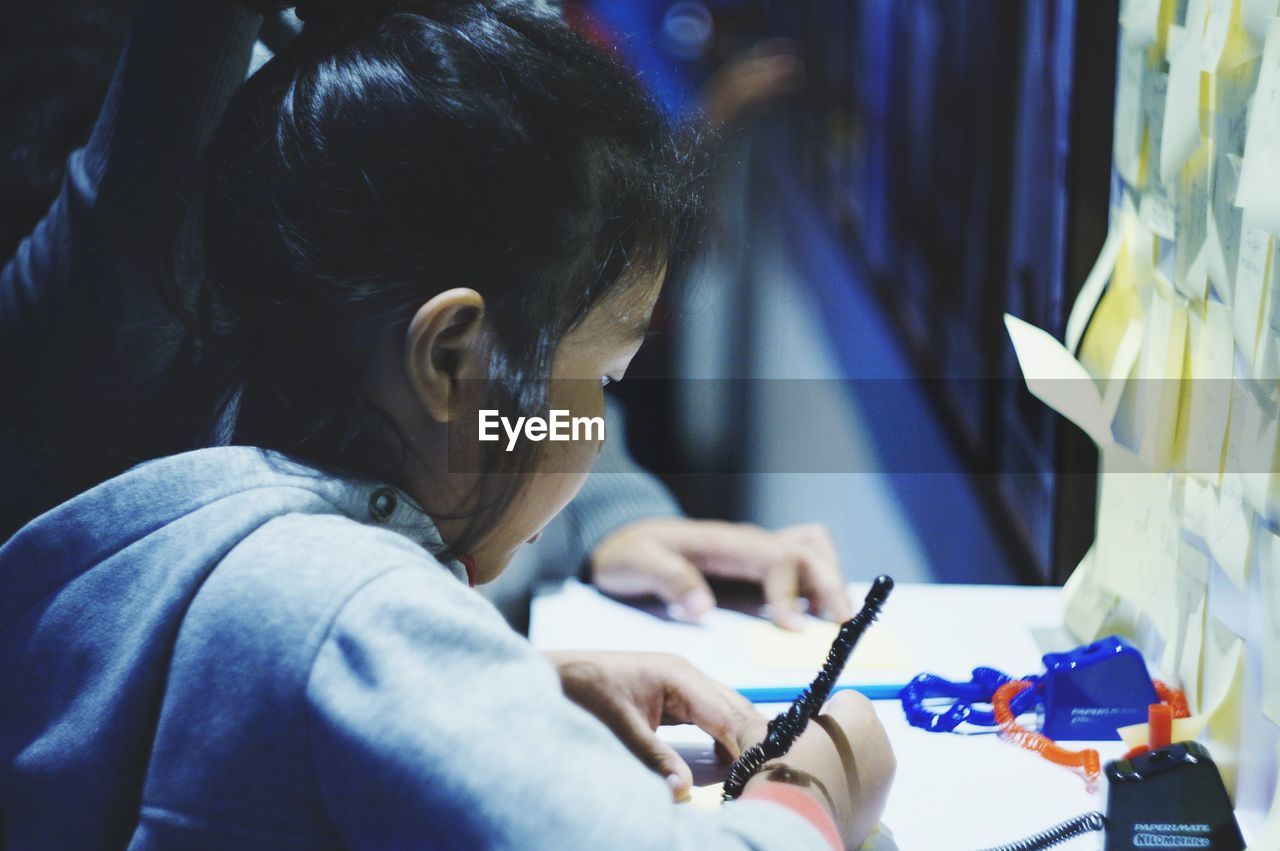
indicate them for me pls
(1251, 272)
(707, 798)
(1266, 356)
(1180, 135)
(1056, 378)
(1260, 172)
(770, 646)
(1208, 397)
(1184, 730)
(1216, 25)
(1269, 837)
(1249, 458)
(1191, 221)
(1127, 133)
(1230, 534)
(1138, 534)
(1183, 643)
(1091, 290)
(1087, 604)
(1255, 15)
(1222, 682)
(1160, 372)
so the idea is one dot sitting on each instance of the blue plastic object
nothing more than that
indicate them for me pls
(979, 689)
(1092, 690)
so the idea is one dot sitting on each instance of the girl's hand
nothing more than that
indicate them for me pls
(669, 556)
(632, 693)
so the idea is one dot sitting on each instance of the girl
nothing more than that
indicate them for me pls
(413, 215)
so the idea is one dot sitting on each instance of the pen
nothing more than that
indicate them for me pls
(786, 694)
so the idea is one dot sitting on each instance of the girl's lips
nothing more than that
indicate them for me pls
(536, 536)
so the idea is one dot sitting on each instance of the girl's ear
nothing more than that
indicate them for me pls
(443, 346)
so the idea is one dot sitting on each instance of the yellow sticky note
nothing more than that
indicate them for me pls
(770, 646)
(1184, 730)
(1160, 371)
(1207, 400)
(1092, 289)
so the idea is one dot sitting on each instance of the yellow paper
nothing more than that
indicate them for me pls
(1091, 290)
(1266, 360)
(1184, 730)
(770, 646)
(1160, 371)
(1208, 398)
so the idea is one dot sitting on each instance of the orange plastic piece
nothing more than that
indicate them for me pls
(1159, 725)
(1174, 697)
(1086, 760)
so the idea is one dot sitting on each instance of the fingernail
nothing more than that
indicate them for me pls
(697, 602)
(678, 790)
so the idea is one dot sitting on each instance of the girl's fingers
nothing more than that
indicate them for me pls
(694, 698)
(634, 732)
(781, 588)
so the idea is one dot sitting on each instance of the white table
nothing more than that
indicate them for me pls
(960, 792)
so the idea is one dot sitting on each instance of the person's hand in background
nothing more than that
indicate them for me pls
(671, 558)
(752, 79)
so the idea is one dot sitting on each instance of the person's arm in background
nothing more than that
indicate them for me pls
(625, 532)
(83, 325)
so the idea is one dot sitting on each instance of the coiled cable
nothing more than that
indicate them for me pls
(1056, 835)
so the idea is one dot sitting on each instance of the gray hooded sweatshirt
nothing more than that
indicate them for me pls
(230, 649)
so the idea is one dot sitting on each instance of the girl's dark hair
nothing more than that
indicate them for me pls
(379, 161)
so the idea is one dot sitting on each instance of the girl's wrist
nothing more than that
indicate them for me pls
(798, 791)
